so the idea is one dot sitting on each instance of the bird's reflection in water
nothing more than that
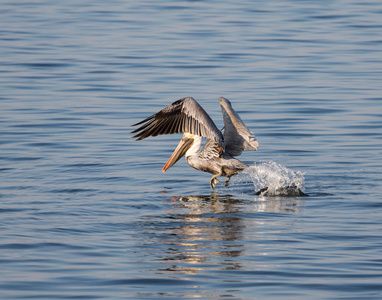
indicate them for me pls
(205, 233)
(208, 227)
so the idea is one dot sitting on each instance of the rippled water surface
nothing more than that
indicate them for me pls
(86, 212)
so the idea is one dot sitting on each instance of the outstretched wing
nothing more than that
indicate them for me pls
(184, 115)
(236, 135)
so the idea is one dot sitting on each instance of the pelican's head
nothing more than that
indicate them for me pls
(185, 144)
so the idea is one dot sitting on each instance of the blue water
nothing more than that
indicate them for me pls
(86, 212)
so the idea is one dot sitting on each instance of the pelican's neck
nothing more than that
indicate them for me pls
(195, 146)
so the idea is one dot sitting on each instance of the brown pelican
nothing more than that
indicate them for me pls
(217, 156)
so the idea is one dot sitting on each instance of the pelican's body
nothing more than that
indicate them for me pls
(220, 165)
(217, 155)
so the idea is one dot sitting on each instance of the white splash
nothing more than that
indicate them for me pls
(273, 179)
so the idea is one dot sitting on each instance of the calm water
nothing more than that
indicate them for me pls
(86, 212)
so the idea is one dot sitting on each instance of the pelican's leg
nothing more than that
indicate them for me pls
(226, 184)
(214, 180)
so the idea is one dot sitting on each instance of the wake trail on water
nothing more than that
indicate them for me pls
(272, 179)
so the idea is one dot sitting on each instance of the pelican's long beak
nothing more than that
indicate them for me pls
(184, 144)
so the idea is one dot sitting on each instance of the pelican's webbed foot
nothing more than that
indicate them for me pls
(214, 181)
(226, 184)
